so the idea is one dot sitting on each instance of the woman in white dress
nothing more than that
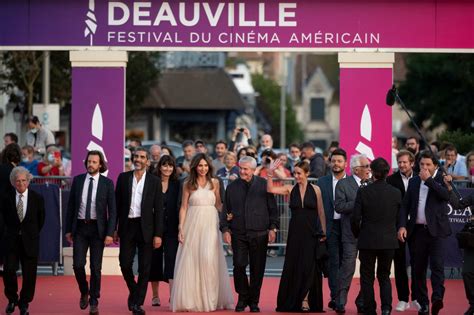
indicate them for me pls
(201, 279)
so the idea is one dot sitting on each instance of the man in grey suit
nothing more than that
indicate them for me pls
(346, 191)
(90, 224)
(327, 184)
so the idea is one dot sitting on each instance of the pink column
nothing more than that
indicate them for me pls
(365, 119)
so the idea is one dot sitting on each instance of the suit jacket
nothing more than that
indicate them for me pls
(346, 191)
(325, 184)
(436, 209)
(151, 206)
(105, 208)
(375, 216)
(396, 181)
(29, 228)
(253, 211)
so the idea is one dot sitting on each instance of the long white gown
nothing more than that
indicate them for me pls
(201, 280)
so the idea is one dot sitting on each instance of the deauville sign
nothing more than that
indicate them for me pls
(297, 24)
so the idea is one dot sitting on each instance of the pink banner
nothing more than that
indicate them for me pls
(365, 119)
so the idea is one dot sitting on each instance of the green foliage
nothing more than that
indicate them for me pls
(464, 142)
(439, 88)
(269, 103)
(142, 74)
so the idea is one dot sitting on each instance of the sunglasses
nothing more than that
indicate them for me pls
(364, 166)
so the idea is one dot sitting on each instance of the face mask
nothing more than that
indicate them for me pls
(50, 158)
(25, 160)
(34, 130)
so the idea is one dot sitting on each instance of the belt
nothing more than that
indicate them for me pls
(89, 221)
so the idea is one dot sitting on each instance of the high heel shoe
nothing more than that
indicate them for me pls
(305, 306)
(155, 301)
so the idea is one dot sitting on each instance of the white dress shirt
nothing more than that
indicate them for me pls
(357, 179)
(85, 189)
(337, 216)
(24, 199)
(421, 215)
(406, 179)
(137, 194)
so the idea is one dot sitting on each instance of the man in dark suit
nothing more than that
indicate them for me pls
(327, 184)
(346, 191)
(400, 179)
(24, 216)
(374, 223)
(90, 223)
(251, 215)
(140, 224)
(317, 165)
(424, 222)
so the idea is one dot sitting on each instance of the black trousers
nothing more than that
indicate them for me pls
(28, 268)
(334, 244)
(129, 242)
(468, 274)
(367, 268)
(87, 237)
(247, 249)
(428, 248)
(401, 275)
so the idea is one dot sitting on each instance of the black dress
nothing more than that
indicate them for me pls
(301, 273)
(170, 236)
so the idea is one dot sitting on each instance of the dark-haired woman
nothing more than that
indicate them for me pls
(301, 281)
(166, 170)
(201, 280)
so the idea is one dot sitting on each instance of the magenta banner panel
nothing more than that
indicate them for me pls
(332, 24)
(365, 119)
(98, 116)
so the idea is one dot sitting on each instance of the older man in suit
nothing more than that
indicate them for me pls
(327, 184)
(90, 224)
(424, 222)
(399, 180)
(346, 190)
(140, 225)
(24, 216)
(251, 214)
(374, 223)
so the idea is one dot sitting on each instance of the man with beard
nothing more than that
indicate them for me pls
(140, 225)
(346, 191)
(90, 225)
(327, 184)
(155, 155)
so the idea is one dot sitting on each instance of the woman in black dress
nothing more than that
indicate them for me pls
(301, 281)
(166, 170)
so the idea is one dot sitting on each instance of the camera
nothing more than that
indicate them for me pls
(241, 129)
(268, 160)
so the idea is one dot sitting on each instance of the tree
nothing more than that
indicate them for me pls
(439, 89)
(269, 103)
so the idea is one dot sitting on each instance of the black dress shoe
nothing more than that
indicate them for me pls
(360, 309)
(138, 310)
(10, 307)
(386, 312)
(254, 308)
(436, 306)
(340, 309)
(94, 310)
(332, 304)
(84, 301)
(240, 307)
(24, 310)
(424, 310)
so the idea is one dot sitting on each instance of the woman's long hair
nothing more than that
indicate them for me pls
(167, 160)
(191, 181)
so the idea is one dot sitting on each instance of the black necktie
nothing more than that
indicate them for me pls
(89, 199)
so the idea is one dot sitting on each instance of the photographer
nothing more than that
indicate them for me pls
(240, 138)
(268, 156)
(468, 265)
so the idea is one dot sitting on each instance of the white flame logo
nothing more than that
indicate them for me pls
(91, 22)
(97, 129)
(366, 133)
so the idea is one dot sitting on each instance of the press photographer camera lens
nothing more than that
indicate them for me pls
(268, 160)
(241, 129)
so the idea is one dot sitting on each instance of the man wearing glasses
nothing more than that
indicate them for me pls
(345, 195)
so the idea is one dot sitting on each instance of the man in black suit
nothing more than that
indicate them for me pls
(424, 222)
(140, 224)
(90, 223)
(24, 216)
(399, 179)
(327, 184)
(251, 215)
(374, 223)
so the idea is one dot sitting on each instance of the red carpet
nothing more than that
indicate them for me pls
(60, 295)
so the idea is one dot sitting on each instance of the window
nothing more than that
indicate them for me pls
(317, 108)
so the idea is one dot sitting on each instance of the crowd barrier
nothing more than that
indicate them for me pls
(55, 191)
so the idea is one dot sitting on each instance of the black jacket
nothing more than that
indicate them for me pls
(254, 211)
(151, 206)
(375, 216)
(104, 205)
